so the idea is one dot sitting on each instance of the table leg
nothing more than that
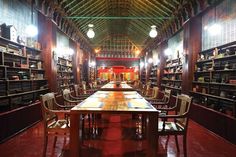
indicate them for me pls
(74, 135)
(151, 134)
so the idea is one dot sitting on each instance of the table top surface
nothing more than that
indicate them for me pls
(115, 101)
(114, 85)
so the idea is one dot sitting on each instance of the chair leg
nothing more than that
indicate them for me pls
(185, 145)
(55, 141)
(45, 145)
(177, 143)
(167, 140)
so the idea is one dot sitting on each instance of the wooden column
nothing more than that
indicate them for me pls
(78, 56)
(191, 47)
(160, 70)
(47, 38)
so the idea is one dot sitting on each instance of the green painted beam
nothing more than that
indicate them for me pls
(118, 17)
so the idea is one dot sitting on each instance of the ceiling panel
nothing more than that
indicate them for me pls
(128, 20)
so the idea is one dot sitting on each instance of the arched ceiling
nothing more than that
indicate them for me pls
(128, 21)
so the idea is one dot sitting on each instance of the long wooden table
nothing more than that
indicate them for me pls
(112, 86)
(114, 102)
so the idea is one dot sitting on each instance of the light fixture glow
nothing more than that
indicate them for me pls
(141, 64)
(150, 60)
(97, 50)
(93, 64)
(167, 52)
(157, 61)
(146, 64)
(90, 32)
(214, 29)
(153, 32)
(31, 30)
(70, 51)
(137, 52)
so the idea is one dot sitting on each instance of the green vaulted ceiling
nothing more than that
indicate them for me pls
(124, 22)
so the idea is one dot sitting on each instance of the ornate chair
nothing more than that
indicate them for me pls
(179, 123)
(53, 124)
(85, 90)
(154, 95)
(78, 92)
(164, 101)
(70, 99)
(146, 90)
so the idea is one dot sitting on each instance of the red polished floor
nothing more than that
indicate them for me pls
(116, 136)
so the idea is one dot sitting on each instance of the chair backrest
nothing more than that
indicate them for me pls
(183, 103)
(167, 95)
(84, 87)
(95, 84)
(66, 96)
(77, 90)
(155, 92)
(47, 103)
(147, 89)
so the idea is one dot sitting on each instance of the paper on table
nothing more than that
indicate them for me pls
(138, 103)
(99, 95)
(130, 92)
(132, 96)
(91, 103)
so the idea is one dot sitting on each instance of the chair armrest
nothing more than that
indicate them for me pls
(158, 103)
(61, 111)
(157, 100)
(78, 98)
(167, 109)
(64, 106)
(172, 116)
(149, 98)
(72, 101)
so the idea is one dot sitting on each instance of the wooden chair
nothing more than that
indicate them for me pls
(164, 101)
(78, 92)
(85, 90)
(146, 90)
(154, 95)
(179, 123)
(72, 101)
(53, 124)
(69, 99)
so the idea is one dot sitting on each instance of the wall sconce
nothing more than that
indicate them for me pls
(153, 32)
(90, 32)
(167, 52)
(92, 64)
(141, 64)
(157, 61)
(214, 29)
(150, 60)
(31, 30)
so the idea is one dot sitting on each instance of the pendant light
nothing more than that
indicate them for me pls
(90, 32)
(153, 32)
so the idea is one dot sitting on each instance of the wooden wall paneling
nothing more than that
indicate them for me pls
(47, 38)
(149, 65)
(76, 63)
(191, 47)
(15, 121)
(73, 45)
(160, 70)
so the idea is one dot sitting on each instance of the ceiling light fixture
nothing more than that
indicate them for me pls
(90, 32)
(153, 32)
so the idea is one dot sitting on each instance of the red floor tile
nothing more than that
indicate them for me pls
(115, 137)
